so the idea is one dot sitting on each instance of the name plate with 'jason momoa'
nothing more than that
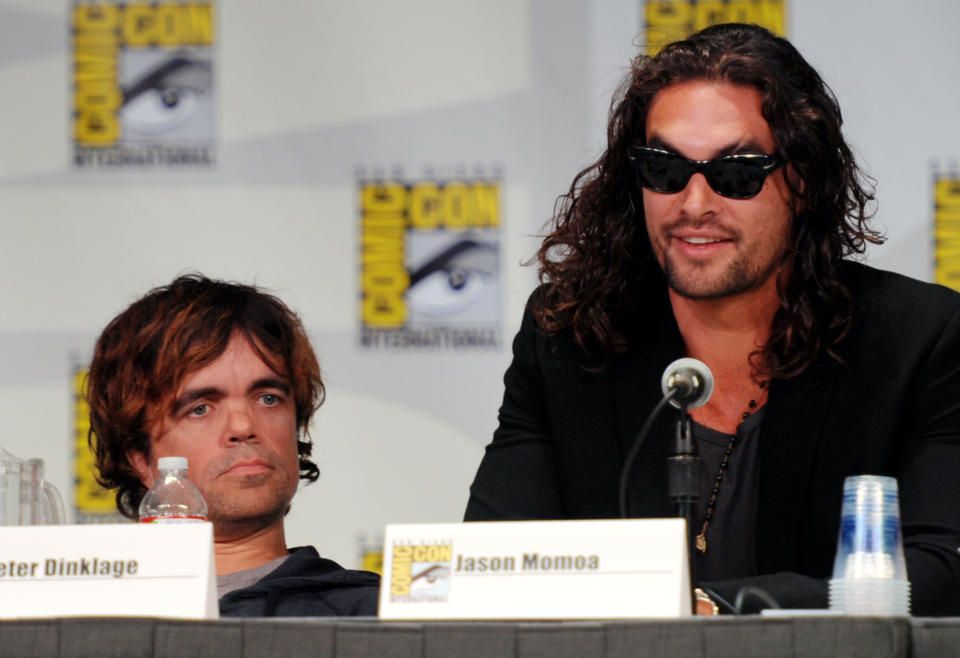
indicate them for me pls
(116, 570)
(617, 569)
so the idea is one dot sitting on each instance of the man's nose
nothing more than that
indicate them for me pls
(240, 425)
(698, 197)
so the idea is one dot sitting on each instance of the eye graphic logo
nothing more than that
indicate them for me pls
(421, 572)
(167, 96)
(430, 264)
(452, 275)
(143, 84)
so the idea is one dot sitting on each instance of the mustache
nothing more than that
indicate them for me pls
(714, 227)
(247, 453)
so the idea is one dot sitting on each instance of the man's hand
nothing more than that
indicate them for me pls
(705, 605)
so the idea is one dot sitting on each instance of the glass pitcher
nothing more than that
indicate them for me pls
(10, 469)
(26, 498)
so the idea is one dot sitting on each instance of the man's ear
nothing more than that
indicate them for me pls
(141, 465)
(800, 186)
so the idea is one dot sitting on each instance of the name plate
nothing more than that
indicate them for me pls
(116, 570)
(618, 569)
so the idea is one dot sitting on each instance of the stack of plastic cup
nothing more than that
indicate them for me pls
(870, 574)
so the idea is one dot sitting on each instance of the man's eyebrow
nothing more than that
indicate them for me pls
(191, 396)
(660, 143)
(271, 382)
(744, 145)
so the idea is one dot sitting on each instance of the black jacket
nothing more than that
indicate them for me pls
(893, 409)
(306, 585)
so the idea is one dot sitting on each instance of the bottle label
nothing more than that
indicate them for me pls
(178, 518)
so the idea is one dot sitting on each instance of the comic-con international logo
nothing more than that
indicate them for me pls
(421, 572)
(142, 84)
(671, 20)
(429, 270)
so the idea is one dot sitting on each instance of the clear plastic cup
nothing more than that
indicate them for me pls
(869, 572)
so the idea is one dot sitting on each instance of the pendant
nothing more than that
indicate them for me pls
(701, 543)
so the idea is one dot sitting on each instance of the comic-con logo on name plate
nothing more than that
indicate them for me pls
(142, 84)
(421, 572)
(430, 263)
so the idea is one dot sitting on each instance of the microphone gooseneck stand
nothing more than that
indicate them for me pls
(686, 384)
(635, 449)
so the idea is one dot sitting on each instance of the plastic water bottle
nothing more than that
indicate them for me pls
(173, 497)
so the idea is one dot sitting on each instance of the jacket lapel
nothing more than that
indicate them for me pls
(789, 437)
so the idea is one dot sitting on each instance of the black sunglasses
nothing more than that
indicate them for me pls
(733, 176)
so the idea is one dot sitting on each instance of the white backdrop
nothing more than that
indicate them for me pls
(307, 91)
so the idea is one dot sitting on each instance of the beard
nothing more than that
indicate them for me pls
(696, 282)
(244, 504)
(253, 506)
(748, 270)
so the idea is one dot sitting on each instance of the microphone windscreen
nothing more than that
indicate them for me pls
(692, 381)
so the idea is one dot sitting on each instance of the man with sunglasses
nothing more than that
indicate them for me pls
(719, 224)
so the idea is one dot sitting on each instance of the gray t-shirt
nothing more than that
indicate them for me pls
(731, 535)
(240, 579)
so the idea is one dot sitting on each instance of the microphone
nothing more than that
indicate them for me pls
(687, 384)
(691, 382)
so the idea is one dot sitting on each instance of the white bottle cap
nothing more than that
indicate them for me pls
(172, 463)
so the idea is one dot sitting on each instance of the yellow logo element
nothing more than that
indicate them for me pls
(676, 19)
(168, 25)
(96, 94)
(372, 560)
(946, 231)
(90, 497)
(400, 576)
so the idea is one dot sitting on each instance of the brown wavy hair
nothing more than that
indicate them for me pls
(145, 352)
(598, 256)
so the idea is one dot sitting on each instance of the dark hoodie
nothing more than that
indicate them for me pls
(306, 585)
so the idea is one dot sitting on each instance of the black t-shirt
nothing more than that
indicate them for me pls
(731, 534)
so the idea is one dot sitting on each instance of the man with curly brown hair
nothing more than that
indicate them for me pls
(224, 375)
(719, 224)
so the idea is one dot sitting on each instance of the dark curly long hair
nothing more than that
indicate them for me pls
(598, 254)
(145, 352)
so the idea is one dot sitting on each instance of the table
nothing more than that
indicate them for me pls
(322, 637)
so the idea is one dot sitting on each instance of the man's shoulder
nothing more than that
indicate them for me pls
(897, 315)
(878, 289)
(305, 562)
(306, 585)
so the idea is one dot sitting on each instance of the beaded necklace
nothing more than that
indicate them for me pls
(701, 539)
